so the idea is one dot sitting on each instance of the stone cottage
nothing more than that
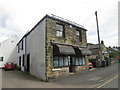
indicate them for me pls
(96, 50)
(54, 47)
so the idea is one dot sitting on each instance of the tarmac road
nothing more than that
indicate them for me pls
(89, 77)
(18, 79)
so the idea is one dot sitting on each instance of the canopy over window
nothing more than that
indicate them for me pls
(85, 51)
(63, 49)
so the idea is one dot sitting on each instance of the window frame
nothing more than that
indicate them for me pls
(63, 62)
(79, 36)
(80, 59)
(60, 31)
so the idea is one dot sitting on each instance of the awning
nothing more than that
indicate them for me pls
(85, 51)
(63, 49)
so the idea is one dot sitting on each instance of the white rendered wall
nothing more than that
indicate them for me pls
(36, 48)
(8, 49)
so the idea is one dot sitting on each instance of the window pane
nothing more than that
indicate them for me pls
(55, 61)
(77, 61)
(60, 61)
(80, 34)
(59, 27)
(77, 33)
(83, 60)
(59, 33)
(80, 61)
(65, 61)
(73, 60)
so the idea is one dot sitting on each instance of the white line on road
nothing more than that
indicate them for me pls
(107, 81)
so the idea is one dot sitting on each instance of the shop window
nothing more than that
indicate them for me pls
(77, 61)
(80, 61)
(73, 61)
(60, 61)
(83, 59)
(55, 61)
(65, 61)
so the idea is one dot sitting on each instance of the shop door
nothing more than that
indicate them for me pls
(71, 64)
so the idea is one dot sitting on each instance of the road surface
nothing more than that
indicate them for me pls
(91, 79)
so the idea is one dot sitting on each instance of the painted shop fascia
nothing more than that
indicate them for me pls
(55, 47)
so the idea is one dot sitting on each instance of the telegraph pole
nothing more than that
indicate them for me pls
(97, 28)
(100, 52)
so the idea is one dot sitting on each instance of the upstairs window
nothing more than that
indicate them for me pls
(20, 46)
(59, 30)
(78, 35)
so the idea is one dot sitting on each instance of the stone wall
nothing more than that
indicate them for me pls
(69, 39)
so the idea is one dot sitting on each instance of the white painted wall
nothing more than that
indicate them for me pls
(8, 50)
(20, 54)
(36, 48)
(1, 63)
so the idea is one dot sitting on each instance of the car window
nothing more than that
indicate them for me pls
(9, 63)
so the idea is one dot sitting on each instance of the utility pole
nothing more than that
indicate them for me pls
(100, 51)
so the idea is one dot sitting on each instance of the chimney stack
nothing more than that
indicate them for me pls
(102, 42)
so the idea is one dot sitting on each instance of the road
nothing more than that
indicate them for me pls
(111, 83)
(91, 79)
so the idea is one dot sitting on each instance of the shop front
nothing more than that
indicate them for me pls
(71, 57)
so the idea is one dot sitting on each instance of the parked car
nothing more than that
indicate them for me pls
(90, 65)
(9, 66)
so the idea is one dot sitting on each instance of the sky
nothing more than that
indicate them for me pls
(19, 16)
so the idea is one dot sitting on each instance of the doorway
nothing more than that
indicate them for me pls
(71, 64)
(28, 63)
(19, 61)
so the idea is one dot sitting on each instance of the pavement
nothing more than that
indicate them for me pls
(91, 79)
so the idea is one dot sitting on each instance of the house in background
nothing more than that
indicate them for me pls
(8, 50)
(95, 56)
(54, 47)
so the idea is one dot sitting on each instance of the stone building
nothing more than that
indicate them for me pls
(54, 47)
(95, 50)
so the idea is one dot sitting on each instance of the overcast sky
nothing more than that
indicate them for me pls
(19, 16)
